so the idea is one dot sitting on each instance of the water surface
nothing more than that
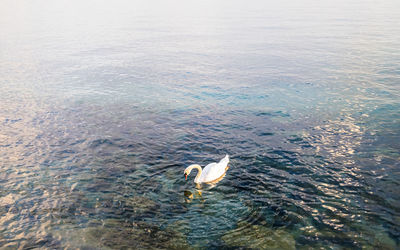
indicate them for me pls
(104, 104)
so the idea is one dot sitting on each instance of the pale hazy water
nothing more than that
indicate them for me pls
(104, 103)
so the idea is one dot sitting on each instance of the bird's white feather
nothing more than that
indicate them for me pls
(213, 171)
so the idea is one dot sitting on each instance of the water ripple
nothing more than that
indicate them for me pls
(95, 135)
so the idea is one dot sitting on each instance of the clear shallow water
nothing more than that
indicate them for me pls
(104, 104)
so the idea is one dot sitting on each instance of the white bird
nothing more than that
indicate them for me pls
(213, 172)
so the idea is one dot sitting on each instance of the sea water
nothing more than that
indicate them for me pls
(103, 104)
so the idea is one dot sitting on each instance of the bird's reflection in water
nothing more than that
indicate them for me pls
(189, 196)
(197, 193)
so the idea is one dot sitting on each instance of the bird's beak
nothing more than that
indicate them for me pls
(185, 177)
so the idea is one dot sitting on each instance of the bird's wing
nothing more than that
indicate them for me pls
(212, 172)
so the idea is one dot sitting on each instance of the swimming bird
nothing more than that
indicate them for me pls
(213, 172)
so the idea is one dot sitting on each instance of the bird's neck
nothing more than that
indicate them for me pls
(197, 179)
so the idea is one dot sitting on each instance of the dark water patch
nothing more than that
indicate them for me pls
(273, 114)
(8, 121)
(265, 134)
(102, 142)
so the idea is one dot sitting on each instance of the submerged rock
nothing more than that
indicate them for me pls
(138, 235)
(142, 206)
(381, 240)
(258, 237)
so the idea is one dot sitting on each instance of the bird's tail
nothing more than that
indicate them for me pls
(225, 160)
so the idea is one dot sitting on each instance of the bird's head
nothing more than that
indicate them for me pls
(190, 168)
(186, 173)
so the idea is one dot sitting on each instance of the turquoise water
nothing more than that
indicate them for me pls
(104, 104)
